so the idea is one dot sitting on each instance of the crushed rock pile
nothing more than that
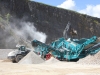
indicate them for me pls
(52, 60)
(90, 59)
(31, 58)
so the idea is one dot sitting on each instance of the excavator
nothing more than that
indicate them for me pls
(63, 49)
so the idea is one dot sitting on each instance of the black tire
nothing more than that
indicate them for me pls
(74, 60)
(14, 61)
(18, 58)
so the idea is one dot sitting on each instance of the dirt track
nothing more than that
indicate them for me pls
(59, 68)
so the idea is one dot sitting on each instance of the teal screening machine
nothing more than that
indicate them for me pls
(70, 49)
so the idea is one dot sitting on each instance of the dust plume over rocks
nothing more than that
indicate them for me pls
(17, 31)
(26, 30)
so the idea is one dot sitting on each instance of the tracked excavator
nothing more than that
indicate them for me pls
(65, 48)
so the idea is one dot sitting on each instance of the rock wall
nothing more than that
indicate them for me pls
(50, 20)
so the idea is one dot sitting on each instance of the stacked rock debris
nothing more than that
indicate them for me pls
(31, 58)
(90, 59)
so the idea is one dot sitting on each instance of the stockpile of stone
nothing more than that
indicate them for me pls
(31, 58)
(52, 60)
(90, 59)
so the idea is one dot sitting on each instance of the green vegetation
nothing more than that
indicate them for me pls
(7, 16)
(96, 22)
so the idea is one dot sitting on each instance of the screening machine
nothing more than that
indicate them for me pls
(70, 50)
(67, 47)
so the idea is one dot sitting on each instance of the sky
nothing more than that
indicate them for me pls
(89, 7)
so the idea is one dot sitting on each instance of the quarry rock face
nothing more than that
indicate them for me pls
(47, 19)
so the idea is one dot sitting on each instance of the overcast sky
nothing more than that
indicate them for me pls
(90, 7)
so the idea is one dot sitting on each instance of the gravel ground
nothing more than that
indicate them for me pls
(30, 65)
(59, 68)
